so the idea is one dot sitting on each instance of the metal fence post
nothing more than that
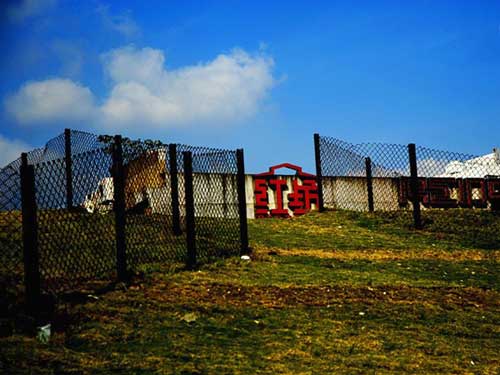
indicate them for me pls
(174, 189)
(30, 236)
(69, 174)
(369, 183)
(190, 220)
(119, 208)
(414, 185)
(242, 204)
(319, 175)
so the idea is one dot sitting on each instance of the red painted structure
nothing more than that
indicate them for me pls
(304, 192)
(445, 192)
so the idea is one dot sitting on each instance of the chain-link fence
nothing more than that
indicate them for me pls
(215, 201)
(75, 236)
(11, 249)
(377, 176)
(344, 167)
(450, 179)
(103, 206)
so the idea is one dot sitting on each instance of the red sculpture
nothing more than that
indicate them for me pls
(304, 193)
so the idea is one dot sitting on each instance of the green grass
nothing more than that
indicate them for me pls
(449, 230)
(338, 292)
(75, 246)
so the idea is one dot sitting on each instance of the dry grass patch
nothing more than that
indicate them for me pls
(386, 254)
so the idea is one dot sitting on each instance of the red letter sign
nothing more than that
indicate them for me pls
(304, 192)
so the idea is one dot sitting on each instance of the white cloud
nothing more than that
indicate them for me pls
(145, 93)
(10, 150)
(228, 88)
(51, 100)
(122, 23)
(28, 8)
(127, 64)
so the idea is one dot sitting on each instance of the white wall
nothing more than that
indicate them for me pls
(350, 193)
(216, 194)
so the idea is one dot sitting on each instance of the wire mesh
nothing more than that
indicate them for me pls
(76, 218)
(148, 201)
(343, 166)
(445, 179)
(77, 243)
(215, 201)
(11, 249)
(451, 179)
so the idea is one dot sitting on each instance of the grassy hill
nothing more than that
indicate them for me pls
(338, 292)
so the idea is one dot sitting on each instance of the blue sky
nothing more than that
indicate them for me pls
(259, 75)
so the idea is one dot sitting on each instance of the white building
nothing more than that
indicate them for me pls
(481, 167)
